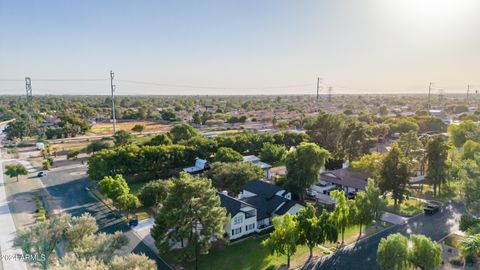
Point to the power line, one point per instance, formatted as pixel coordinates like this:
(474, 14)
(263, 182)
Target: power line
(56, 80)
(213, 87)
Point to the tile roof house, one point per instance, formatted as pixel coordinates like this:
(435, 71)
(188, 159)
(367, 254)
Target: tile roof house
(255, 207)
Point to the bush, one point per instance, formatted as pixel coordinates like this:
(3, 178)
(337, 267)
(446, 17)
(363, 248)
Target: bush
(73, 154)
(466, 222)
(456, 261)
(46, 165)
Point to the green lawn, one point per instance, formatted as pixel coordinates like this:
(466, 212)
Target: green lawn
(246, 254)
(250, 254)
(135, 188)
(408, 207)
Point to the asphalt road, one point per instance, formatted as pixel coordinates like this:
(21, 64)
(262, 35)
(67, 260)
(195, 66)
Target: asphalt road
(362, 256)
(67, 188)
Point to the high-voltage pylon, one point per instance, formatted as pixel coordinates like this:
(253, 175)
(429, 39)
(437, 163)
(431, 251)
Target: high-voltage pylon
(28, 88)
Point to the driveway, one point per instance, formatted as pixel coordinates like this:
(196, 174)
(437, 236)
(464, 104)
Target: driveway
(67, 189)
(362, 255)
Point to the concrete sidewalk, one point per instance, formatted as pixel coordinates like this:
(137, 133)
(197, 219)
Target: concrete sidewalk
(7, 231)
(394, 219)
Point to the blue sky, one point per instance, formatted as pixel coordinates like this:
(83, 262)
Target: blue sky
(374, 46)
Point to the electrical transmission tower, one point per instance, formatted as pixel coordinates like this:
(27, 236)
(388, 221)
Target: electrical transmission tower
(319, 82)
(112, 88)
(330, 89)
(441, 95)
(429, 93)
(468, 94)
(28, 88)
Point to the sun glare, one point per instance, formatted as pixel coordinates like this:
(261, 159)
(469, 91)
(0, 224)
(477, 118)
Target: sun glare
(433, 13)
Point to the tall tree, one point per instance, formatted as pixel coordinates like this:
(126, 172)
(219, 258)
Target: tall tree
(226, 154)
(410, 145)
(355, 140)
(315, 230)
(370, 163)
(392, 252)
(394, 173)
(469, 176)
(113, 187)
(470, 149)
(375, 201)
(283, 240)
(155, 192)
(42, 238)
(466, 130)
(425, 253)
(15, 170)
(127, 202)
(303, 167)
(308, 228)
(326, 131)
(122, 137)
(364, 212)
(469, 246)
(191, 211)
(341, 213)
(182, 132)
(161, 139)
(272, 152)
(232, 176)
(437, 154)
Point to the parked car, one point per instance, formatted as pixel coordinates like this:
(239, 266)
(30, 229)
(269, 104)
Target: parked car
(311, 194)
(431, 209)
(351, 195)
(41, 174)
(133, 222)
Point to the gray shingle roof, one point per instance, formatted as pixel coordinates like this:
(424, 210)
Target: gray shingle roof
(261, 188)
(346, 177)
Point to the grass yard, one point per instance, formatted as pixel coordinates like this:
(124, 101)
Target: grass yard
(106, 128)
(407, 208)
(246, 254)
(450, 191)
(142, 212)
(63, 148)
(250, 254)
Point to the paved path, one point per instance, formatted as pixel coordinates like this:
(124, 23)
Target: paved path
(7, 231)
(362, 255)
(394, 219)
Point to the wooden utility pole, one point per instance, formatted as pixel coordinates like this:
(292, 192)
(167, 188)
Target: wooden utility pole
(112, 88)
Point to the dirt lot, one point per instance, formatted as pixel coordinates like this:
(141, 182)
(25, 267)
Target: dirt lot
(106, 128)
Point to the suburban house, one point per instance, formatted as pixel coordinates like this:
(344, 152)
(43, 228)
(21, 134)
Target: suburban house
(253, 209)
(346, 179)
(255, 160)
(200, 166)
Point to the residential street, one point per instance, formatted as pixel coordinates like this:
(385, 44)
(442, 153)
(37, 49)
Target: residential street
(67, 189)
(362, 256)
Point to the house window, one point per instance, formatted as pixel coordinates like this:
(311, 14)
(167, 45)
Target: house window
(236, 231)
(250, 227)
(237, 220)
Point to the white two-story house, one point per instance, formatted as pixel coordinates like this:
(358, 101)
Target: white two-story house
(253, 209)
